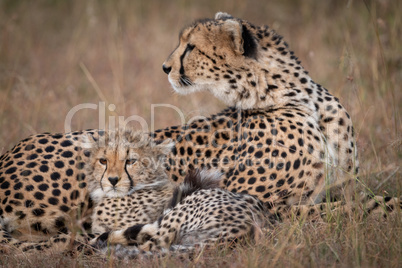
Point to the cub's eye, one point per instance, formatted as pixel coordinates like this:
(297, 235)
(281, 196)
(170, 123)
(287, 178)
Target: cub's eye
(131, 161)
(103, 161)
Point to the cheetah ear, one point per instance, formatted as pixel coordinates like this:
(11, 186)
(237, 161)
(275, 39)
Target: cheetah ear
(223, 16)
(243, 41)
(89, 142)
(234, 29)
(165, 147)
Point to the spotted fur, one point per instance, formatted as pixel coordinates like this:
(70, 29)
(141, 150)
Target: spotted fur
(285, 139)
(198, 213)
(142, 193)
(59, 198)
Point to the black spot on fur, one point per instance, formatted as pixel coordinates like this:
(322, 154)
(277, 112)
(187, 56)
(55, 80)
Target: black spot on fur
(64, 208)
(5, 185)
(29, 188)
(38, 195)
(53, 201)
(29, 203)
(37, 226)
(67, 154)
(49, 149)
(43, 141)
(38, 178)
(74, 195)
(43, 187)
(56, 192)
(59, 164)
(10, 170)
(44, 168)
(66, 186)
(38, 212)
(66, 143)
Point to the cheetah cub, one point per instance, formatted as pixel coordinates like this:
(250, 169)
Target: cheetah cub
(135, 203)
(127, 179)
(125, 184)
(156, 213)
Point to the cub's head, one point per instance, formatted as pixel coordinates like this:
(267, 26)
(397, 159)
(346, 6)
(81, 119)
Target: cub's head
(122, 161)
(240, 64)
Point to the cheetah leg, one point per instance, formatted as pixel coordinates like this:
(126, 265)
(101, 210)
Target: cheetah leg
(150, 237)
(59, 242)
(369, 205)
(311, 212)
(132, 236)
(126, 237)
(380, 206)
(167, 232)
(155, 238)
(146, 236)
(5, 237)
(6, 240)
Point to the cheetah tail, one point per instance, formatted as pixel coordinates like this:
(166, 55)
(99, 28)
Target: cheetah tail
(194, 181)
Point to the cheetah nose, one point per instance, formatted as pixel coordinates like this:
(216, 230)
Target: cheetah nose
(166, 69)
(113, 180)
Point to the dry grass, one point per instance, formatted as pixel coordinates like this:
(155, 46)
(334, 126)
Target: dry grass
(57, 54)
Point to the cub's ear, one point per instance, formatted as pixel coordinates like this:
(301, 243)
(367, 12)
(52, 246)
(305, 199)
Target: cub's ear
(164, 147)
(89, 142)
(233, 29)
(223, 16)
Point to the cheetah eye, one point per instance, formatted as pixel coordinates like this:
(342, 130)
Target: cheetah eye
(189, 48)
(130, 161)
(103, 161)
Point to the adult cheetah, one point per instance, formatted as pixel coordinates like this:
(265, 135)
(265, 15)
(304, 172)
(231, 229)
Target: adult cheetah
(287, 140)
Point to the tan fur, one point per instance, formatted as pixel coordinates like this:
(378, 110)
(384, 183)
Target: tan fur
(199, 213)
(309, 130)
(143, 193)
(126, 152)
(67, 206)
(287, 141)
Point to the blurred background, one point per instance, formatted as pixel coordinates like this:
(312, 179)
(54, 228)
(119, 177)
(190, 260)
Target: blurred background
(55, 55)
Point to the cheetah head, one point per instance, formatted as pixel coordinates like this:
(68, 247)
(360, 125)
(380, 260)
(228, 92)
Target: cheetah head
(206, 50)
(122, 161)
(242, 65)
